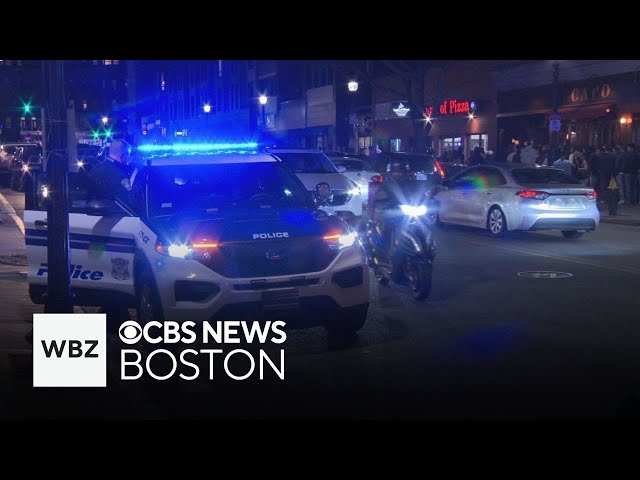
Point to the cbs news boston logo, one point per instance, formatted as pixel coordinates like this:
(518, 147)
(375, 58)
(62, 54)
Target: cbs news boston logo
(69, 350)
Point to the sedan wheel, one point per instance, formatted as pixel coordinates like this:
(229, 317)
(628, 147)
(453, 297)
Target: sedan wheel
(496, 223)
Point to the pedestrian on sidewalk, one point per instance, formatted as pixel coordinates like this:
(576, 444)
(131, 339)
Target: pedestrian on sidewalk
(613, 196)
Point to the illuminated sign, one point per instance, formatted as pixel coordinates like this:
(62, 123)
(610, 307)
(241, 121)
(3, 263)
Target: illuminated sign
(598, 92)
(401, 110)
(453, 106)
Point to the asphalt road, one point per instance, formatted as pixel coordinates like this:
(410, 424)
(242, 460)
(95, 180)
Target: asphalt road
(486, 344)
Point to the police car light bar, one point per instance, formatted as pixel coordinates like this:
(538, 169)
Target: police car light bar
(198, 147)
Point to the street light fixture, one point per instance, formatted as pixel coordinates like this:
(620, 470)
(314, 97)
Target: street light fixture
(105, 120)
(263, 101)
(353, 87)
(206, 108)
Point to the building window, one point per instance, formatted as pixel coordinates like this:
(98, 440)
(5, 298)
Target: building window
(250, 90)
(219, 68)
(251, 64)
(163, 84)
(395, 145)
(364, 142)
(481, 140)
(107, 62)
(450, 144)
(85, 105)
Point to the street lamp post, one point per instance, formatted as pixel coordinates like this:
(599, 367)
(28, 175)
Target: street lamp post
(263, 99)
(207, 110)
(353, 88)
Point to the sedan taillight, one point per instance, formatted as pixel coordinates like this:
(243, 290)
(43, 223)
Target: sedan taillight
(534, 194)
(592, 195)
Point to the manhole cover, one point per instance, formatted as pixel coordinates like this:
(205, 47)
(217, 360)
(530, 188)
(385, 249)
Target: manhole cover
(545, 274)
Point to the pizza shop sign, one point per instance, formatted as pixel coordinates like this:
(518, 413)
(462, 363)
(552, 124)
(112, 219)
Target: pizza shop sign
(451, 107)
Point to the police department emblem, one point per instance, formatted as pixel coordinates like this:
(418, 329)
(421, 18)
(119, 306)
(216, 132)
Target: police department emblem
(119, 268)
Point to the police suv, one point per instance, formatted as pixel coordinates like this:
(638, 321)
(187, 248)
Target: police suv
(208, 236)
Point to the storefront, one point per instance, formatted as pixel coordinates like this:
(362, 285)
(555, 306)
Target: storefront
(456, 124)
(462, 124)
(595, 111)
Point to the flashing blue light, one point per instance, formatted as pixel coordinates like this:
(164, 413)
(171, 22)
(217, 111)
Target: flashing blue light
(198, 147)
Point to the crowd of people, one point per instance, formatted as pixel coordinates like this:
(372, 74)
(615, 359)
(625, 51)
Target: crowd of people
(598, 167)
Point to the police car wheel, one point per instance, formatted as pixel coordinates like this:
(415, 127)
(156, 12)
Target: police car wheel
(147, 299)
(349, 320)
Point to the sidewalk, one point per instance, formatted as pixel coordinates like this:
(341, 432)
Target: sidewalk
(627, 215)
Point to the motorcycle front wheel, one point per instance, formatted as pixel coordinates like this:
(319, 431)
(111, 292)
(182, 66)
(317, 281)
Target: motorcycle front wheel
(419, 273)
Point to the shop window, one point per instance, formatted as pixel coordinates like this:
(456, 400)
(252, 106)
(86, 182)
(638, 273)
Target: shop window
(364, 142)
(450, 144)
(395, 145)
(481, 140)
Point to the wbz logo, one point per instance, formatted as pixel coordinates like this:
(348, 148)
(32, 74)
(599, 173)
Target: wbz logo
(69, 350)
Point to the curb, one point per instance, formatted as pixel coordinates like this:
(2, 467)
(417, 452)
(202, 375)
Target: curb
(633, 222)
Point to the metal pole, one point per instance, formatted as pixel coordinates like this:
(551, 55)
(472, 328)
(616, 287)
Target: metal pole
(59, 297)
(554, 135)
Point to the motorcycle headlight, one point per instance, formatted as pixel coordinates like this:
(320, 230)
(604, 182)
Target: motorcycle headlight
(413, 211)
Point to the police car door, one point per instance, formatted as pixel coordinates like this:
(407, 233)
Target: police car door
(101, 247)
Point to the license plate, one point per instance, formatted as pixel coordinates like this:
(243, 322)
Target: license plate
(281, 300)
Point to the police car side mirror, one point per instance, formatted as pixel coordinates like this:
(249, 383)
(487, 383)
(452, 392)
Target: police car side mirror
(101, 207)
(341, 169)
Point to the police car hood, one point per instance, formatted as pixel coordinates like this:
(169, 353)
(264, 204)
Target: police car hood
(256, 226)
(336, 181)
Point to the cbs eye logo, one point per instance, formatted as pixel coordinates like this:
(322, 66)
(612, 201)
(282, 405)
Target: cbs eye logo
(130, 332)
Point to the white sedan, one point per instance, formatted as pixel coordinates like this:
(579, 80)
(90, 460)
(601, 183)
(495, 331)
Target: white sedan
(356, 170)
(501, 198)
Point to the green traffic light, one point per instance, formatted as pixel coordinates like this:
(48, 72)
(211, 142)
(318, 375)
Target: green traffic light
(26, 107)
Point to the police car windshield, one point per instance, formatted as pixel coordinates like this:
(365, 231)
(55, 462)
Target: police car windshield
(307, 162)
(194, 190)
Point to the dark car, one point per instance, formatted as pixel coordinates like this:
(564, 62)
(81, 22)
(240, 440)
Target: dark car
(26, 157)
(451, 169)
(421, 166)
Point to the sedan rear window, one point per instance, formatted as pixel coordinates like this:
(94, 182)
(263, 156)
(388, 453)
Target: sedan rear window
(543, 175)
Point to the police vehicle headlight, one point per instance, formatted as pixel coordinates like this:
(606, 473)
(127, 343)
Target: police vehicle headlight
(179, 250)
(413, 211)
(341, 240)
(175, 250)
(354, 191)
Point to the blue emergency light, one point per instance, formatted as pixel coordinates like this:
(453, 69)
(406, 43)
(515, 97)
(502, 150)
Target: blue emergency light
(246, 147)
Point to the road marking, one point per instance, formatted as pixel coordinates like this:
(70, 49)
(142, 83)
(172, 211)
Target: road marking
(633, 271)
(12, 213)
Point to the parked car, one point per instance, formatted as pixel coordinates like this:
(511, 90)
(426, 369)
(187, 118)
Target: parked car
(334, 193)
(25, 158)
(501, 198)
(356, 170)
(8, 152)
(451, 169)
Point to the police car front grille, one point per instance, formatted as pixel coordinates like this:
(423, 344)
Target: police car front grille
(270, 258)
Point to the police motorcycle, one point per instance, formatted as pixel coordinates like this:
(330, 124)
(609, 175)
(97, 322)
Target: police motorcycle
(399, 240)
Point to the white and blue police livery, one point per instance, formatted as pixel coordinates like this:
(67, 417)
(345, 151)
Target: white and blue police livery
(209, 236)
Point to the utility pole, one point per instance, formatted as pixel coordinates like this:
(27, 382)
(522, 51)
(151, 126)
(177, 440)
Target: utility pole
(59, 298)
